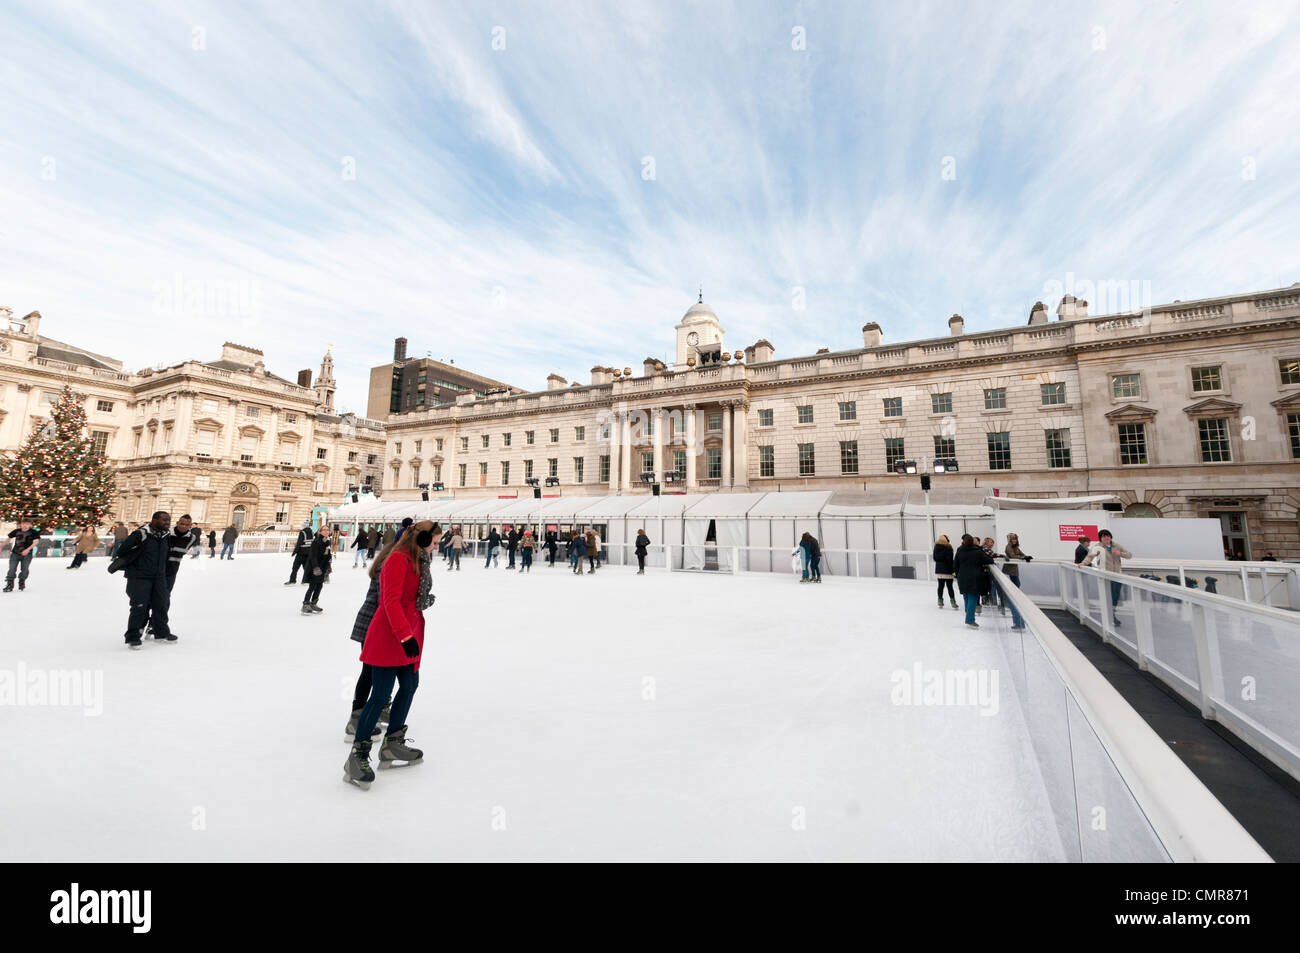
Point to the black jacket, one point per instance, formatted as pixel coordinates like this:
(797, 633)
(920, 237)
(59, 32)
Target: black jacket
(1080, 553)
(148, 550)
(969, 562)
(942, 560)
(320, 555)
(304, 540)
(212, 539)
(512, 541)
(642, 542)
(229, 535)
(23, 538)
(360, 542)
(494, 539)
(178, 544)
(814, 547)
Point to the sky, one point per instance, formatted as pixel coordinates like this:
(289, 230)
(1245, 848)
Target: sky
(528, 188)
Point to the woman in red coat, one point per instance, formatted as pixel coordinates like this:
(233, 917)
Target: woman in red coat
(394, 642)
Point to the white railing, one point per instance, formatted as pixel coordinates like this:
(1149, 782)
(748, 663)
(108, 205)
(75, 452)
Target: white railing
(1117, 791)
(1270, 584)
(1238, 663)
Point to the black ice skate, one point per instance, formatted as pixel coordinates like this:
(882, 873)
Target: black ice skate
(134, 643)
(351, 730)
(307, 609)
(9, 586)
(169, 639)
(357, 769)
(396, 753)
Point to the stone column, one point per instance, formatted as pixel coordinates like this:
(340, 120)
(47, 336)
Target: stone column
(614, 446)
(625, 452)
(657, 414)
(691, 449)
(740, 471)
(726, 444)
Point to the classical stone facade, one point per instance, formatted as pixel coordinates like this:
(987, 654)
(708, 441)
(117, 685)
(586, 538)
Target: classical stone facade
(1190, 408)
(226, 440)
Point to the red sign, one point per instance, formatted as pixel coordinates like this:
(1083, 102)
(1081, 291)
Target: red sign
(1072, 531)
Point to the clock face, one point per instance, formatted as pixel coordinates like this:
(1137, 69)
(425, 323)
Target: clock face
(692, 339)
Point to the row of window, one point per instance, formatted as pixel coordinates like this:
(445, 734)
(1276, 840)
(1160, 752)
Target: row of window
(995, 398)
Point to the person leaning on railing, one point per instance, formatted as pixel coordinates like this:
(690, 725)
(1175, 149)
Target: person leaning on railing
(1014, 554)
(1109, 555)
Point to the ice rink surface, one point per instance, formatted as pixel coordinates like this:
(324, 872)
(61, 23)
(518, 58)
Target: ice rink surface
(672, 716)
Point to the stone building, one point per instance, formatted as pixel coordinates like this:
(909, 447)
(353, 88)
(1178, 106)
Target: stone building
(1186, 409)
(226, 440)
(409, 384)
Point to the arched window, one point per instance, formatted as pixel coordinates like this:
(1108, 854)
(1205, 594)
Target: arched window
(237, 518)
(1140, 510)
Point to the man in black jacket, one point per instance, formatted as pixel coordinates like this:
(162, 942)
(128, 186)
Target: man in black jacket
(149, 551)
(300, 548)
(20, 554)
(1081, 551)
(512, 544)
(320, 556)
(182, 537)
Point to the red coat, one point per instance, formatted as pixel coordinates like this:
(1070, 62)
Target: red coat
(397, 618)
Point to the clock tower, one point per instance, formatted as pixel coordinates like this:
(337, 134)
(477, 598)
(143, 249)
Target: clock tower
(698, 336)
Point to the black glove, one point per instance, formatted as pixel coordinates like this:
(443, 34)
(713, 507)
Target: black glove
(1029, 559)
(411, 648)
(316, 571)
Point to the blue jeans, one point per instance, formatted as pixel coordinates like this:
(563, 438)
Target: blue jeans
(1016, 620)
(971, 600)
(492, 554)
(815, 567)
(527, 557)
(19, 565)
(1115, 589)
(361, 555)
(382, 678)
(227, 548)
(803, 554)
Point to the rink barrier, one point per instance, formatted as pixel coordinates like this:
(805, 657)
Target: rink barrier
(1097, 754)
(1213, 650)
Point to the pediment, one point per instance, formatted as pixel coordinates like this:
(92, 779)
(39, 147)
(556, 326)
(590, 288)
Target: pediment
(1212, 405)
(1131, 412)
(1289, 402)
(212, 422)
(252, 428)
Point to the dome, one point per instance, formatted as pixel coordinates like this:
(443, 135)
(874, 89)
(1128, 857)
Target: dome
(699, 312)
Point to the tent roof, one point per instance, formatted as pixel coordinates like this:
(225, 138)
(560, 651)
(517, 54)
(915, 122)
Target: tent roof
(798, 503)
(1053, 503)
(724, 505)
(672, 505)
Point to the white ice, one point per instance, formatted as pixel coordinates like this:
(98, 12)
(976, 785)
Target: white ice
(671, 716)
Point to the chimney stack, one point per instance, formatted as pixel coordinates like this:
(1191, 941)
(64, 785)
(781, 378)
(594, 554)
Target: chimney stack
(956, 324)
(1038, 314)
(760, 351)
(555, 382)
(871, 335)
(1068, 309)
(304, 377)
(399, 350)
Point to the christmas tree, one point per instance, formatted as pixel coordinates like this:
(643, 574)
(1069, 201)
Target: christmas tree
(57, 478)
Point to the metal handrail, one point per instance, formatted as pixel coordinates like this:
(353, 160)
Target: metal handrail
(1195, 596)
(1190, 822)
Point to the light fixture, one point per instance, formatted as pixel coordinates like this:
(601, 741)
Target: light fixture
(552, 481)
(647, 476)
(945, 465)
(904, 466)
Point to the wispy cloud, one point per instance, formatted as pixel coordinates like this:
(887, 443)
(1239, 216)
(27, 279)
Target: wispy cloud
(502, 212)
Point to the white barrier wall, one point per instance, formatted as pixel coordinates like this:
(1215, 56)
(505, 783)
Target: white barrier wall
(1169, 538)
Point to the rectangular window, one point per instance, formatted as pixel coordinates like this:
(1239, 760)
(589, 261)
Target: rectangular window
(206, 440)
(288, 418)
(941, 403)
(198, 509)
(1293, 431)
(464, 444)
(848, 410)
(370, 459)
(553, 466)
(1215, 445)
(285, 486)
(893, 406)
(650, 424)
(1132, 444)
(999, 450)
(486, 438)
(577, 469)
(528, 469)
(352, 456)
(555, 435)
(945, 447)
(370, 479)
(1207, 378)
(1289, 369)
(604, 468)
(528, 437)
(419, 398)
(579, 434)
(767, 461)
(1058, 448)
(807, 460)
(397, 448)
(209, 406)
(437, 444)
(805, 414)
(99, 442)
(505, 440)
(320, 453)
(482, 473)
(415, 476)
(713, 463)
(203, 483)
(247, 447)
(765, 418)
(463, 468)
(104, 405)
(282, 513)
(505, 473)
(604, 431)
(713, 422)
(647, 463)
(419, 445)
(848, 456)
(252, 411)
(286, 454)
(893, 453)
(679, 462)
(318, 484)
(1053, 394)
(995, 398)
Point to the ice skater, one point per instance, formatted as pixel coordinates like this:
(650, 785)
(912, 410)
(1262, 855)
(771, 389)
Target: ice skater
(642, 547)
(1110, 555)
(320, 555)
(512, 547)
(362, 546)
(87, 541)
(300, 547)
(526, 547)
(593, 550)
(970, 564)
(228, 537)
(182, 537)
(1011, 570)
(392, 648)
(943, 569)
(20, 553)
(551, 546)
(144, 556)
(493, 547)
(212, 544)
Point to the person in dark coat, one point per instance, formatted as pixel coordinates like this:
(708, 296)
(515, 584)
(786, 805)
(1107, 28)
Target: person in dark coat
(970, 563)
(228, 542)
(320, 556)
(512, 546)
(493, 547)
(372, 543)
(20, 553)
(551, 546)
(212, 543)
(300, 547)
(1081, 551)
(390, 534)
(526, 547)
(149, 552)
(444, 541)
(183, 536)
(577, 549)
(362, 546)
(642, 545)
(943, 569)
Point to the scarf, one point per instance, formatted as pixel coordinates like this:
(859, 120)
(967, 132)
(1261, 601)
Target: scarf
(424, 596)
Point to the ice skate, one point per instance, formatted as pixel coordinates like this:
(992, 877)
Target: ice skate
(9, 587)
(306, 609)
(169, 639)
(134, 643)
(384, 715)
(396, 753)
(356, 770)
(350, 731)
(314, 607)
(22, 585)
